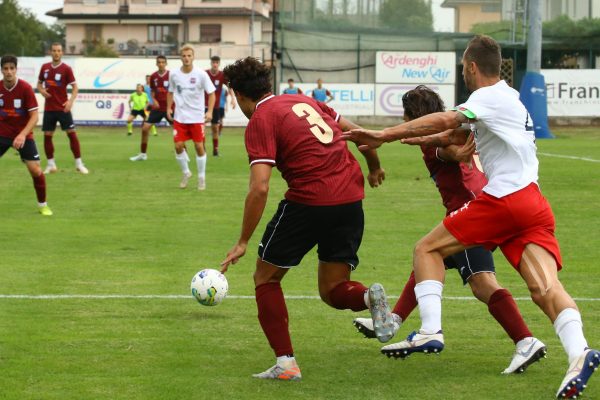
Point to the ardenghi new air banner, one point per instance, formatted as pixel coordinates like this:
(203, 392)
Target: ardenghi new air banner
(416, 67)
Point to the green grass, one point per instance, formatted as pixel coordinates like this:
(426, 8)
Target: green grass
(127, 229)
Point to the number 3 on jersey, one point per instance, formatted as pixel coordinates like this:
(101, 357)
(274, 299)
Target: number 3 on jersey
(318, 127)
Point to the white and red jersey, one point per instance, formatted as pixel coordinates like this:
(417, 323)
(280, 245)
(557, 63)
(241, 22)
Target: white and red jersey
(55, 79)
(303, 139)
(218, 80)
(159, 85)
(188, 94)
(15, 105)
(504, 137)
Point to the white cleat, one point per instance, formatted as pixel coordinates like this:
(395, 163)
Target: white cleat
(383, 322)
(184, 181)
(365, 326)
(139, 157)
(529, 350)
(50, 169)
(201, 183)
(289, 371)
(82, 169)
(416, 342)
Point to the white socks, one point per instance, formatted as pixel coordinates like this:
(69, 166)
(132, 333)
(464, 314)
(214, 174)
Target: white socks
(569, 328)
(429, 296)
(78, 162)
(282, 360)
(51, 162)
(201, 163)
(182, 160)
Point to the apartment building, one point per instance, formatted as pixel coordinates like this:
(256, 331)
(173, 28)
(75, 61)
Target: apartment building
(228, 28)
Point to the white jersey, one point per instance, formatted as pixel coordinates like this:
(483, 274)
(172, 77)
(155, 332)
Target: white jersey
(504, 137)
(188, 94)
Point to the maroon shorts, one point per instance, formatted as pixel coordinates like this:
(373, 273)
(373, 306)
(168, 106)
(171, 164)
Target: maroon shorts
(184, 132)
(510, 222)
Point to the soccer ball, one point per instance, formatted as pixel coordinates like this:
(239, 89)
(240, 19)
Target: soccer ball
(209, 287)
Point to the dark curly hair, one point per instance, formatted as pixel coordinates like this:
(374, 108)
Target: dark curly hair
(421, 101)
(249, 77)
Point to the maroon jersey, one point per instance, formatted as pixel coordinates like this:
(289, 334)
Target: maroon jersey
(457, 183)
(15, 105)
(218, 80)
(159, 84)
(55, 80)
(302, 138)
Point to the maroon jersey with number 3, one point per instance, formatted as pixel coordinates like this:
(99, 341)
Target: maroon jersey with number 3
(302, 138)
(55, 80)
(159, 84)
(15, 105)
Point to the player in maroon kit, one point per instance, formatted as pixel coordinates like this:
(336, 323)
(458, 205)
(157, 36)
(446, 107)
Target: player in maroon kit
(323, 205)
(218, 79)
(457, 175)
(18, 116)
(53, 80)
(159, 87)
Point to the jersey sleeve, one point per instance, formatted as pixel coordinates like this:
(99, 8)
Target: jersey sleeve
(478, 106)
(41, 75)
(171, 83)
(70, 78)
(207, 84)
(261, 143)
(329, 111)
(29, 100)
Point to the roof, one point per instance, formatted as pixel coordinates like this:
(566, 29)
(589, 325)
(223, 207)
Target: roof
(184, 12)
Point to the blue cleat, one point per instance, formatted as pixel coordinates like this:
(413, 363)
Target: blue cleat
(578, 374)
(416, 342)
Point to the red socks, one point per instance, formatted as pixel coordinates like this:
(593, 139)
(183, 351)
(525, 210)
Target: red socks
(273, 317)
(408, 300)
(502, 306)
(215, 144)
(48, 147)
(349, 295)
(144, 147)
(39, 183)
(74, 142)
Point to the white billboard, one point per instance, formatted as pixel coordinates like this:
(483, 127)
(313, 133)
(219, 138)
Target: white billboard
(389, 97)
(349, 99)
(415, 67)
(572, 92)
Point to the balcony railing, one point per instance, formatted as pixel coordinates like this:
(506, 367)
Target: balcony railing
(91, 7)
(163, 7)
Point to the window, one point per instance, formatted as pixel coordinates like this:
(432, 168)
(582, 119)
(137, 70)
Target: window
(210, 33)
(162, 33)
(93, 33)
(491, 8)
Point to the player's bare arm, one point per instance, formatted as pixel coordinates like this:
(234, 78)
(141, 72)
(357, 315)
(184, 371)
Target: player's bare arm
(449, 137)
(426, 125)
(376, 173)
(256, 199)
(211, 105)
(170, 106)
(458, 153)
(42, 90)
(19, 141)
(69, 103)
(232, 97)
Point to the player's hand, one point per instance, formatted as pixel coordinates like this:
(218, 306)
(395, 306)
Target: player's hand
(170, 115)
(234, 255)
(465, 152)
(364, 138)
(67, 106)
(376, 177)
(19, 142)
(208, 116)
(155, 105)
(233, 105)
(45, 94)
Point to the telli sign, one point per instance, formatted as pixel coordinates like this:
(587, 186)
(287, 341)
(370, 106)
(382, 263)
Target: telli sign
(416, 67)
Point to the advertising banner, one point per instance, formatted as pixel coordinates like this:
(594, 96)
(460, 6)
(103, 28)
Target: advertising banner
(415, 67)
(389, 97)
(349, 99)
(572, 92)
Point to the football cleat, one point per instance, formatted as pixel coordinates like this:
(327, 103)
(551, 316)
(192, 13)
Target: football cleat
(50, 169)
(416, 342)
(139, 157)
(184, 181)
(365, 326)
(289, 371)
(578, 374)
(383, 322)
(530, 351)
(201, 183)
(45, 211)
(82, 169)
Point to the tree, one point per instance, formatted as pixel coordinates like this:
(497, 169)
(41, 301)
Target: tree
(22, 34)
(99, 48)
(411, 16)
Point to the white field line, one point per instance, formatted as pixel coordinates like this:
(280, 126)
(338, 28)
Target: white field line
(189, 297)
(569, 157)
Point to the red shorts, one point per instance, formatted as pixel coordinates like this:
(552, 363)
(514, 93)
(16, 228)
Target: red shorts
(510, 222)
(184, 132)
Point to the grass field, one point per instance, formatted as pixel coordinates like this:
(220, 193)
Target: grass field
(128, 230)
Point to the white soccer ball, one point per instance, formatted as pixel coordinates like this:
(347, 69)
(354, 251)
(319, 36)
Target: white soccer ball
(209, 287)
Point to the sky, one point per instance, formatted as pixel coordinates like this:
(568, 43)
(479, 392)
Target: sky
(443, 18)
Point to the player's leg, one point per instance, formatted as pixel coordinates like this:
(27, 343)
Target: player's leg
(48, 127)
(143, 156)
(67, 124)
(31, 158)
(198, 138)
(221, 118)
(180, 135)
(130, 119)
(538, 268)
(214, 127)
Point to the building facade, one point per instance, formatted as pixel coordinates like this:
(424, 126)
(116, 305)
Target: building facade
(228, 28)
